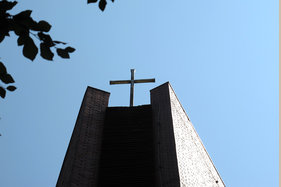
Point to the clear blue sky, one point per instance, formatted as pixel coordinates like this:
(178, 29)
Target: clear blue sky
(221, 58)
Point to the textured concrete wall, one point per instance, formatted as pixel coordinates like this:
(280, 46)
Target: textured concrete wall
(195, 167)
(80, 166)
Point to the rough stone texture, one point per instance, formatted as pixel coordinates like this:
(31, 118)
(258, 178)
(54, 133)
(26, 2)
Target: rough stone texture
(195, 167)
(127, 148)
(80, 166)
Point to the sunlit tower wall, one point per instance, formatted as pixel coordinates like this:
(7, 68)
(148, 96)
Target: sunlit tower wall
(181, 159)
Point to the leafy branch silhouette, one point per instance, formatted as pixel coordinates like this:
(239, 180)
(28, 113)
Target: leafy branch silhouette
(25, 28)
(102, 3)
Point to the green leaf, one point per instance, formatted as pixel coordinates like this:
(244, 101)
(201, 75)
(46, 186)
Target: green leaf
(92, 1)
(6, 78)
(2, 92)
(29, 49)
(3, 69)
(46, 52)
(11, 88)
(44, 26)
(70, 49)
(102, 4)
(62, 53)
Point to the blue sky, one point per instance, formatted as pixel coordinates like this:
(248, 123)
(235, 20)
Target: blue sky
(221, 58)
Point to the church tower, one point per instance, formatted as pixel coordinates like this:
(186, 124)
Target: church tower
(152, 145)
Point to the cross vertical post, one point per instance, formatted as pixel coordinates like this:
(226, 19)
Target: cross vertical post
(132, 83)
(132, 87)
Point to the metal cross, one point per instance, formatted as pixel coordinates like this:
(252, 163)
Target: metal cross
(132, 82)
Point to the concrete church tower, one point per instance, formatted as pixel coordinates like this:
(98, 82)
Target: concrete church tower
(152, 145)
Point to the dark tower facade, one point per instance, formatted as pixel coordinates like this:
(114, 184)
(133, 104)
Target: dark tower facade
(144, 146)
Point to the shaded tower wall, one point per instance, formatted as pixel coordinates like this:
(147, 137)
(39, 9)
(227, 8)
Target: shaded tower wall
(127, 155)
(181, 159)
(80, 165)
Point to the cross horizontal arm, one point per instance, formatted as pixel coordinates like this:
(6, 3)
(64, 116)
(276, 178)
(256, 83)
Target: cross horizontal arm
(120, 82)
(129, 81)
(144, 80)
